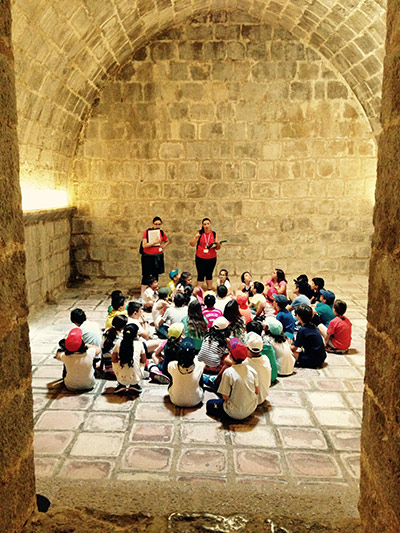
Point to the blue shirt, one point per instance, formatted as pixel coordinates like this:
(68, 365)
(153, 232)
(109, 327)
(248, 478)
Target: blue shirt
(287, 321)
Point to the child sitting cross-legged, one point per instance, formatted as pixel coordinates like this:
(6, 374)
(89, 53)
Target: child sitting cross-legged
(238, 387)
(210, 312)
(284, 315)
(214, 348)
(244, 308)
(128, 358)
(260, 363)
(257, 327)
(186, 376)
(157, 366)
(150, 295)
(118, 308)
(281, 345)
(338, 336)
(324, 307)
(308, 349)
(258, 302)
(110, 337)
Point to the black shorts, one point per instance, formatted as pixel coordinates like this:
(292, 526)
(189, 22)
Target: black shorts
(205, 268)
(152, 265)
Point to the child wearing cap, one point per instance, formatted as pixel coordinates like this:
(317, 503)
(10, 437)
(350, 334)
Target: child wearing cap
(173, 276)
(282, 347)
(214, 348)
(161, 305)
(128, 357)
(244, 308)
(338, 336)
(238, 387)
(257, 327)
(260, 363)
(308, 348)
(210, 312)
(284, 315)
(78, 360)
(324, 307)
(165, 353)
(186, 376)
(300, 295)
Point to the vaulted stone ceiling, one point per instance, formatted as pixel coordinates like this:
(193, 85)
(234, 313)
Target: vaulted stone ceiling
(65, 50)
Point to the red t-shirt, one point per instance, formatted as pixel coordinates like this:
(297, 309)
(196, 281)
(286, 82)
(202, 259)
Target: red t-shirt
(202, 251)
(154, 250)
(340, 331)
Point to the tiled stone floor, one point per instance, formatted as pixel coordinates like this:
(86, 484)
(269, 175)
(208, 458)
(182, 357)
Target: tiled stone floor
(308, 434)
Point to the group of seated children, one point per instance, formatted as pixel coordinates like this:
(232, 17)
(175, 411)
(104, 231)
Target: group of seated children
(236, 345)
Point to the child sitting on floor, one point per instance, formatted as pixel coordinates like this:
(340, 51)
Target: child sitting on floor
(257, 301)
(173, 276)
(317, 284)
(186, 376)
(257, 327)
(118, 308)
(165, 353)
(150, 295)
(127, 357)
(338, 336)
(222, 298)
(284, 315)
(324, 307)
(224, 280)
(214, 349)
(260, 363)
(160, 306)
(210, 312)
(110, 337)
(238, 387)
(308, 348)
(282, 347)
(244, 308)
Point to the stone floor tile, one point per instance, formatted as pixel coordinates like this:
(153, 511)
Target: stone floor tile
(143, 476)
(348, 440)
(312, 465)
(40, 401)
(331, 385)
(49, 372)
(155, 393)
(105, 422)
(337, 418)
(158, 459)
(60, 420)
(45, 466)
(345, 372)
(325, 399)
(50, 384)
(352, 463)
(38, 358)
(151, 433)
(260, 436)
(257, 462)
(155, 411)
(116, 402)
(72, 402)
(355, 384)
(77, 469)
(355, 399)
(284, 398)
(52, 442)
(290, 416)
(337, 360)
(195, 414)
(202, 460)
(203, 479)
(192, 433)
(294, 383)
(97, 445)
(303, 438)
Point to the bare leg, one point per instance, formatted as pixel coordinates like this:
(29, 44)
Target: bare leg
(209, 283)
(152, 344)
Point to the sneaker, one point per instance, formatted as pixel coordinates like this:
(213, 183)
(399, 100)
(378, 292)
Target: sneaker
(209, 381)
(136, 388)
(119, 388)
(158, 377)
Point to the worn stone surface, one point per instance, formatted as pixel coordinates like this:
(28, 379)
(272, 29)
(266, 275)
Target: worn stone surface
(17, 484)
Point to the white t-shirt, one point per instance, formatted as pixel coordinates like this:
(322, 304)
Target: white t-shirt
(262, 366)
(138, 324)
(148, 296)
(91, 333)
(284, 357)
(220, 303)
(158, 310)
(185, 390)
(129, 375)
(239, 382)
(175, 314)
(80, 371)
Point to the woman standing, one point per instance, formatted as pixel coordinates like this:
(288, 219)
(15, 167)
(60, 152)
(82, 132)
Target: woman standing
(154, 241)
(207, 244)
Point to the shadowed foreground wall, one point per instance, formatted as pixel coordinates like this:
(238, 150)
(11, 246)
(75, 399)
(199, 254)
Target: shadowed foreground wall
(17, 484)
(380, 454)
(226, 117)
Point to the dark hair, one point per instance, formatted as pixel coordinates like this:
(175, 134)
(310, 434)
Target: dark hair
(280, 275)
(277, 338)
(242, 276)
(187, 292)
(254, 325)
(184, 277)
(237, 323)
(179, 299)
(78, 316)
(319, 282)
(226, 272)
(133, 307)
(118, 302)
(209, 301)
(196, 324)
(126, 347)
(259, 287)
(150, 280)
(340, 307)
(218, 335)
(186, 357)
(302, 278)
(110, 334)
(303, 287)
(304, 312)
(114, 295)
(222, 291)
(204, 219)
(157, 218)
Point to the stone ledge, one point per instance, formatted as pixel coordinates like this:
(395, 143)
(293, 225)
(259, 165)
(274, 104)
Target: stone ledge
(48, 215)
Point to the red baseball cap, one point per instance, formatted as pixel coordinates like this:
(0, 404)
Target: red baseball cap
(238, 349)
(74, 340)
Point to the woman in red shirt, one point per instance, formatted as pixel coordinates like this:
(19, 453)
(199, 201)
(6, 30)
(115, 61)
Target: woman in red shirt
(152, 251)
(207, 244)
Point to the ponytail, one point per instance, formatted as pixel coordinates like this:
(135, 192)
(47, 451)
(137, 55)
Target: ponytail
(126, 346)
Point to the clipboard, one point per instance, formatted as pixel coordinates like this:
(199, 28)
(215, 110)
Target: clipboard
(153, 235)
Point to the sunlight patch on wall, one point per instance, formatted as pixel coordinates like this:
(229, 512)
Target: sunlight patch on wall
(36, 199)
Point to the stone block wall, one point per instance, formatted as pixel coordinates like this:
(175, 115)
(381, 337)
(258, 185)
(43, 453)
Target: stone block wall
(380, 442)
(227, 117)
(17, 482)
(47, 248)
